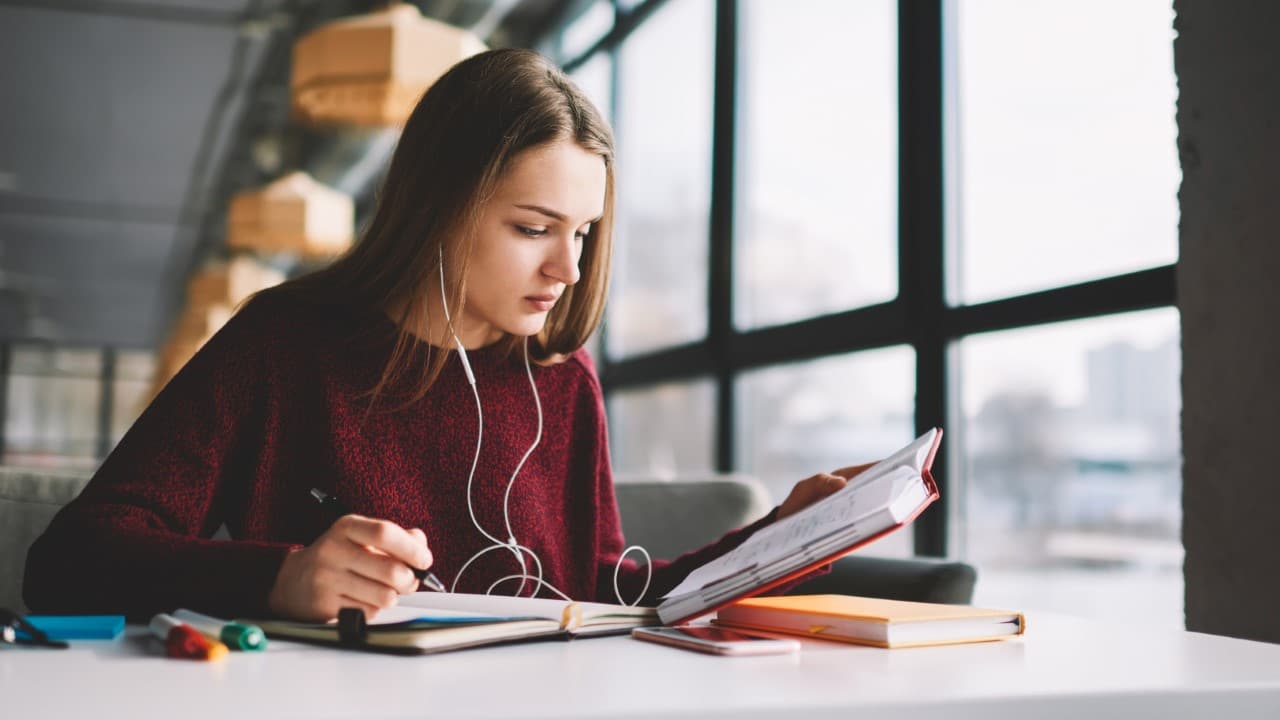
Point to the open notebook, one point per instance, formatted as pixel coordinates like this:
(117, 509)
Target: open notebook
(436, 622)
(880, 499)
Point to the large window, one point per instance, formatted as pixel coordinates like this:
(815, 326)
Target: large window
(663, 123)
(847, 222)
(798, 419)
(585, 30)
(664, 431)
(1064, 170)
(816, 200)
(1066, 160)
(1071, 475)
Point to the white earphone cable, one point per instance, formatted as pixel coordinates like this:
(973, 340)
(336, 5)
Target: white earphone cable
(511, 544)
(471, 379)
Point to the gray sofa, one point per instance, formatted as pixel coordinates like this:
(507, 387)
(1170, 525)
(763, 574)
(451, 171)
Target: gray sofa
(29, 498)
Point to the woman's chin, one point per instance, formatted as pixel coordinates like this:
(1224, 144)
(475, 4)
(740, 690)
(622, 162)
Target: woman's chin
(527, 327)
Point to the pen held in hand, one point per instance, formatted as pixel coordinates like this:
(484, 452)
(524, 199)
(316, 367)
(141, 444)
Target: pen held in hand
(337, 510)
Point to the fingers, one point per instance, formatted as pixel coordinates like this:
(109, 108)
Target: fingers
(848, 472)
(378, 567)
(808, 491)
(388, 538)
(359, 562)
(365, 592)
(825, 484)
(820, 485)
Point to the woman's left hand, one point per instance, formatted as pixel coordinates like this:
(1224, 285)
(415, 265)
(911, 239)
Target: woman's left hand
(810, 490)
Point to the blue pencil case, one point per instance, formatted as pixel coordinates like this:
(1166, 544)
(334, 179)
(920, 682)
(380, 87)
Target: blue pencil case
(78, 627)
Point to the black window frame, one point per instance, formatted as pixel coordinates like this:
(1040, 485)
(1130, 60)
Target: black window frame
(919, 316)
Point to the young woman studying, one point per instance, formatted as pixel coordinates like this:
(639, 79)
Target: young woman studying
(433, 379)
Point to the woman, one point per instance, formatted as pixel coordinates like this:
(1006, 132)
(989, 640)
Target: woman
(488, 250)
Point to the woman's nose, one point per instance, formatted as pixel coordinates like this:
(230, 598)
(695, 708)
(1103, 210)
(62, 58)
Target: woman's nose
(563, 265)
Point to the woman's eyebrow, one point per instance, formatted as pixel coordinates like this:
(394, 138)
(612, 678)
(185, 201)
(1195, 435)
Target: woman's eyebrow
(553, 214)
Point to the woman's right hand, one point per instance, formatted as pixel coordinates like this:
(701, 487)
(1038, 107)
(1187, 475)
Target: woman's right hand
(359, 562)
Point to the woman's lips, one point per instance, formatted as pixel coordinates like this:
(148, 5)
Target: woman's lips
(542, 303)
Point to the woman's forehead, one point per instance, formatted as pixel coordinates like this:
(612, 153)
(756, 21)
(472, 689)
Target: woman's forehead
(561, 177)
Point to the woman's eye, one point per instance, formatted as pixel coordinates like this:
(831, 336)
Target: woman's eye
(531, 232)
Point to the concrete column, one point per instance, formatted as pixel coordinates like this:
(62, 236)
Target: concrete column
(1228, 64)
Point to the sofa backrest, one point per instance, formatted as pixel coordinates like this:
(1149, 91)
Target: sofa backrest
(670, 517)
(29, 498)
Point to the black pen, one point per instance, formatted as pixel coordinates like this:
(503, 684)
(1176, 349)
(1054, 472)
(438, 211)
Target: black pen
(337, 510)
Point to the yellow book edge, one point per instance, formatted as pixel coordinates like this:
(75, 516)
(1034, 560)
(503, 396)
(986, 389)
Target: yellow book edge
(820, 632)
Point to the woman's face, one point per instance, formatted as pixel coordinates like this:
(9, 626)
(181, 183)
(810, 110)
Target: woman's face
(530, 239)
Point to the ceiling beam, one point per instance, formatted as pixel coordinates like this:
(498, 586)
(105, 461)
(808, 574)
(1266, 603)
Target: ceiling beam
(147, 11)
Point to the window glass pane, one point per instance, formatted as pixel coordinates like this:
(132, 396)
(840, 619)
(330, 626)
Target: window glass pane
(816, 221)
(665, 431)
(1069, 467)
(595, 78)
(52, 421)
(594, 23)
(131, 390)
(1063, 157)
(800, 419)
(49, 360)
(135, 365)
(659, 295)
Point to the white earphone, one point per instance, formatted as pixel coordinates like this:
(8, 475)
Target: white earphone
(518, 550)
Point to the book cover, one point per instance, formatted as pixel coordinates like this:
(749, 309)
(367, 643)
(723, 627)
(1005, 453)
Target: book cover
(873, 621)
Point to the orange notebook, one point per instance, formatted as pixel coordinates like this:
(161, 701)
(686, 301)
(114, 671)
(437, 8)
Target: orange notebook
(873, 621)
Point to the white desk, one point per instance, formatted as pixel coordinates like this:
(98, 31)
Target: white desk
(1062, 668)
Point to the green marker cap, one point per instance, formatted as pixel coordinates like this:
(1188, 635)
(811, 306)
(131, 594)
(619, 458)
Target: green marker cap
(243, 637)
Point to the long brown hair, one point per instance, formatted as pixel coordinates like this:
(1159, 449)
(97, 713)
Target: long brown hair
(461, 137)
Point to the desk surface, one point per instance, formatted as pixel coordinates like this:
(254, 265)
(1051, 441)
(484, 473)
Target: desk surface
(1063, 667)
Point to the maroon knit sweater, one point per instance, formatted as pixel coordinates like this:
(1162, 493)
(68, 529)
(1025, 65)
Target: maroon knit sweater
(271, 407)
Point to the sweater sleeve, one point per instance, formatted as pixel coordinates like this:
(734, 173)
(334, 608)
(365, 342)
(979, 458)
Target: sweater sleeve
(138, 539)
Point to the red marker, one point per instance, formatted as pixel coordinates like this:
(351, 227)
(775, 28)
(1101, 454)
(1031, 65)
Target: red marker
(183, 641)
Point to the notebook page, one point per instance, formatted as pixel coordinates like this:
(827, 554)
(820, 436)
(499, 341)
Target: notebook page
(507, 606)
(403, 613)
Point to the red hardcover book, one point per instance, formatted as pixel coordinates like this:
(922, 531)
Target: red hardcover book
(881, 499)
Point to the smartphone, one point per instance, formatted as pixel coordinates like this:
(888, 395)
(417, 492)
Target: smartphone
(715, 640)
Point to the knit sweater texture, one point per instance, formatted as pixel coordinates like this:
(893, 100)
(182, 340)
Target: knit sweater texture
(276, 404)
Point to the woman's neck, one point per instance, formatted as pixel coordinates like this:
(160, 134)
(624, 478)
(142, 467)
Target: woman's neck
(434, 328)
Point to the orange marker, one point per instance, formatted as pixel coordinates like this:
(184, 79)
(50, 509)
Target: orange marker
(183, 641)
